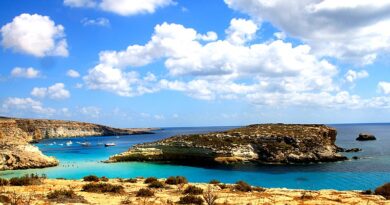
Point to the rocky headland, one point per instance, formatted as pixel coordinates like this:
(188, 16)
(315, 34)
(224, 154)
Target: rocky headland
(16, 152)
(260, 143)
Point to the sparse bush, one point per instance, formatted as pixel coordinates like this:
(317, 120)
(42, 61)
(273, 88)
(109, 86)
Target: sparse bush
(103, 188)
(176, 180)
(367, 192)
(193, 190)
(191, 199)
(214, 181)
(150, 180)
(131, 180)
(104, 179)
(223, 186)
(5, 199)
(65, 196)
(27, 180)
(209, 196)
(242, 186)
(4, 182)
(383, 190)
(145, 193)
(156, 184)
(258, 189)
(91, 178)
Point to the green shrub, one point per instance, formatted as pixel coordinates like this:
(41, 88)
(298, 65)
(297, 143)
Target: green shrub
(191, 199)
(176, 180)
(193, 190)
(242, 186)
(65, 196)
(103, 188)
(27, 180)
(4, 182)
(145, 193)
(91, 178)
(258, 189)
(383, 190)
(156, 184)
(104, 179)
(5, 199)
(131, 180)
(223, 186)
(150, 180)
(214, 181)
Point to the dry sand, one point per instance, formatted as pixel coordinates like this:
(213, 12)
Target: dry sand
(171, 194)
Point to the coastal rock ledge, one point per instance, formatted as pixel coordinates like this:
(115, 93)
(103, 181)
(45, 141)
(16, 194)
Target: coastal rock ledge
(259, 143)
(16, 134)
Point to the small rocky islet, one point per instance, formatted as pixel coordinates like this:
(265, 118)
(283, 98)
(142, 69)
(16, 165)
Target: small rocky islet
(259, 143)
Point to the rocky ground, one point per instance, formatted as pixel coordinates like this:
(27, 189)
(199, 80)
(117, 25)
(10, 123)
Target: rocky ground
(262, 143)
(171, 194)
(16, 134)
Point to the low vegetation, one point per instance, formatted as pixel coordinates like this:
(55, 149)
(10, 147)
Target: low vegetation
(156, 184)
(104, 179)
(131, 180)
(4, 182)
(209, 196)
(214, 181)
(242, 186)
(383, 190)
(103, 188)
(174, 180)
(27, 180)
(190, 199)
(193, 190)
(150, 180)
(145, 193)
(65, 196)
(91, 178)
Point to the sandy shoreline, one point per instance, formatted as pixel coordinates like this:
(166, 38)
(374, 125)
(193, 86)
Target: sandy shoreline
(170, 194)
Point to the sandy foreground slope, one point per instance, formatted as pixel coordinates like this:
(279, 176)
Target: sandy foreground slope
(171, 194)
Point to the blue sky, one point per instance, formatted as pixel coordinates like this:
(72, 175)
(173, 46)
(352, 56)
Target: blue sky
(166, 63)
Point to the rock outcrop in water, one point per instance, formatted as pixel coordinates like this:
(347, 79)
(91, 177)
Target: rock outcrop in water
(365, 137)
(16, 134)
(261, 143)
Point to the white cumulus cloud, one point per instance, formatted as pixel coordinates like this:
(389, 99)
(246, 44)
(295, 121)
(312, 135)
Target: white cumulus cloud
(26, 105)
(72, 73)
(122, 7)
(384, 87)
(25, 72)
(352, 75)
(56, 91)
(352, 30)
(35, 35)
(96, 22)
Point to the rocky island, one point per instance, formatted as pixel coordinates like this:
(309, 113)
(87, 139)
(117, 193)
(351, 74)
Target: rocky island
(259, 143)
(16, 152)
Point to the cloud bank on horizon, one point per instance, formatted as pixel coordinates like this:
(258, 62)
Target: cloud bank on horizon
(295, 61)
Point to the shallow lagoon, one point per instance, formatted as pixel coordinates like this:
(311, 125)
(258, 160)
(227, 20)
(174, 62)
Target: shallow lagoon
(369, 172)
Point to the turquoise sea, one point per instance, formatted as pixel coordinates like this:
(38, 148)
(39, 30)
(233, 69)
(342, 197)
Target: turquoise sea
(372, 170)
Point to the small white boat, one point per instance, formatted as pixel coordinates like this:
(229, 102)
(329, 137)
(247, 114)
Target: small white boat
(85, 144)
(68, 143)
(109, 144)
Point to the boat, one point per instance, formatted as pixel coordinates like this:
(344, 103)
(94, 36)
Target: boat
(85, 144)
(109, 144)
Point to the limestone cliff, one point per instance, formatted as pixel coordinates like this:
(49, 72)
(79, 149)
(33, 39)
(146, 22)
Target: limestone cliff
(15, 135)
(262, 143)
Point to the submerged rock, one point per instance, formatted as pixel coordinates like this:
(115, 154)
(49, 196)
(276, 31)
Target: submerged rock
(365, 137)
(260, 143)
(16, 134)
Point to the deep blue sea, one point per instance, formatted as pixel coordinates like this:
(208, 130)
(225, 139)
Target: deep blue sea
(372, 170)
